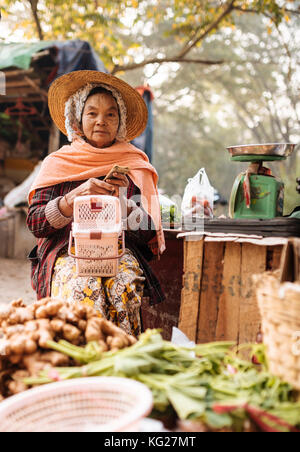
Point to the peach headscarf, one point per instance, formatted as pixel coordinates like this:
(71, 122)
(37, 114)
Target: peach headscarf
(81, 161)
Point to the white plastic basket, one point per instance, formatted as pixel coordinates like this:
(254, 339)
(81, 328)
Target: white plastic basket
(96, 404)
(96, 229)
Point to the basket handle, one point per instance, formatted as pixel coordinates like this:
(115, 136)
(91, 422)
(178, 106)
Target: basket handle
(95, 258)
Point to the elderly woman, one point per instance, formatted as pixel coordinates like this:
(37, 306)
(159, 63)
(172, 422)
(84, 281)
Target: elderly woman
(99, 113)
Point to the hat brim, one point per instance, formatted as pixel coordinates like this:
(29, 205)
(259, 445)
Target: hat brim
(67, 85)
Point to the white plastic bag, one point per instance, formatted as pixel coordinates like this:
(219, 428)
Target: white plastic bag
(198, 198)
(20, 193)
(179, 338)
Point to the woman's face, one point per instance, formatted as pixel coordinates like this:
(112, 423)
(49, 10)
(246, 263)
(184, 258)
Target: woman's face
(100, 120)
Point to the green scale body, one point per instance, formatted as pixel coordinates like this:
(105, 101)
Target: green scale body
(267, 196)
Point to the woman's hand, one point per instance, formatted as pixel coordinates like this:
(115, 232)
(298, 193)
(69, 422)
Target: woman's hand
(119, 180)
(90, 187)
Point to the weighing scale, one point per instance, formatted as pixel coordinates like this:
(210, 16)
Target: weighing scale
(256, 193)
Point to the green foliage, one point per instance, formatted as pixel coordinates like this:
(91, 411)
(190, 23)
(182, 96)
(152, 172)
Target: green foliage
(99, 22)
(207, 382)
(105, 23)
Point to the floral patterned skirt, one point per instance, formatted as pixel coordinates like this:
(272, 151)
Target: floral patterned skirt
(117, 298)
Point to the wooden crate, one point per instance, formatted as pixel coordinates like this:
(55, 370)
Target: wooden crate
(218, 297)
(7, 235)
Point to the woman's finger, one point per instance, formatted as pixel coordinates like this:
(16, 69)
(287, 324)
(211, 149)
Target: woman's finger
(104, 191)
(118, 175)
(119, 180)
(118, 183)
(103, 185)
(96, 190)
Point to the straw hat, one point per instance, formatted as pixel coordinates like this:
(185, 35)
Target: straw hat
(67, 85)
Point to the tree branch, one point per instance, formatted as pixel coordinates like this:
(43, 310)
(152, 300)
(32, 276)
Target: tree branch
(213, 26)
(34, 10)
(288, 76)
(254, 11)
(130, 67)
(180, 58)
(191, 39)
(244, 115)
(293, 11)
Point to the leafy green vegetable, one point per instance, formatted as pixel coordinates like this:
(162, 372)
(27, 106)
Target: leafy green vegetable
(209, 382)
(217, 421)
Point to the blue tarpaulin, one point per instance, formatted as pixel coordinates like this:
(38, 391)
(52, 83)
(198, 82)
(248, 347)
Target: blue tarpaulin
(145, 140)
(77, 55)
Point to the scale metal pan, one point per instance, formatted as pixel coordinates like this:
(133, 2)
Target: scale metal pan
(271, 149)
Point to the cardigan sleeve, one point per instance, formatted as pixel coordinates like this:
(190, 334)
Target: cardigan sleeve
(54, 215)
(44, 217)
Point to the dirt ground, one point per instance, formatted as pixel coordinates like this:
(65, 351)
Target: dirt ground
(15, 281)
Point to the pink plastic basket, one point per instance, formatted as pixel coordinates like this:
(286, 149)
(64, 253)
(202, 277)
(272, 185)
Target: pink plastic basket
(95, 404)
(96, 229)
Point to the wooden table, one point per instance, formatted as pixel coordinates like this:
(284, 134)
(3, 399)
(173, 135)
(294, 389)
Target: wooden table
(209, 288)
(218, 297)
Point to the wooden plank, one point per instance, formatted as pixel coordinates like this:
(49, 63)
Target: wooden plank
(19, 73)
(274, 253)
(13, 99)
(20, 92)
(229, 305)
(211, 290)
(277, 252)
(36, 87)
(39, 54)
(22, 83)
(189, 309)
(254, 258)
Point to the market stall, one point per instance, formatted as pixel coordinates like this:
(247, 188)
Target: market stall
(27, 134)
(27, 131)
(217, 292)
(214, 259)
(208, 285)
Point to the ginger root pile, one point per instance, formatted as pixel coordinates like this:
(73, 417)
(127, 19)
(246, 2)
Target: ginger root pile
(26, 330)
